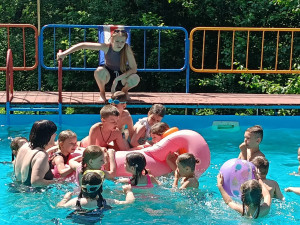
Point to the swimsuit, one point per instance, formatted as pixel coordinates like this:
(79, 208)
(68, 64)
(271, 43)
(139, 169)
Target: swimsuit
(148, 185)
(147, 137)
(112, 64)
(83, 216)
(48, 175)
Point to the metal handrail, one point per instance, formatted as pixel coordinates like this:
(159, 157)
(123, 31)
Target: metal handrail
(9, 76)
(185, 65)
(23, 27)
(259, 69)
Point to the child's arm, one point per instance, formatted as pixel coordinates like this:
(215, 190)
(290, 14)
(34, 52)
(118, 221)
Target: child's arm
(121, 143)
(93, 134)
(243, 153)
(138, 133)
(177, 176)
(190, 183)
(278, 194)
(130, 126)
(171, 159)
(67, 201)
(112, 165)
(52, 150)
(129, 196)
(265, 207)
(75, 162)
(123, 180)
(62, 169)
(296, 190)
(82, 45)
(154, 181)
(227, 199)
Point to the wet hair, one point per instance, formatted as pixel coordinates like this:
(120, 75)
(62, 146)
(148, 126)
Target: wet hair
(41, 133)
(187, 159)
(91, 152)
(257, 130)
(91, 178)
(16, 144)
(138, 161)
(66, 134)
(262, 164)
(109, 110)
(159, 128)
(158, 109)
(123, 55)
(251, 195)
(119, 95)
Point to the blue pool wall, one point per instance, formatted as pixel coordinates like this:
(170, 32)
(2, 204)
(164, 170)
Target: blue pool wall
(180, 121)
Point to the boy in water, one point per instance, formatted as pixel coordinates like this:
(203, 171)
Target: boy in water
(105, 132)
(185, 169)
(119, 100)
(142, 127)
(262, 166)
(250, 147)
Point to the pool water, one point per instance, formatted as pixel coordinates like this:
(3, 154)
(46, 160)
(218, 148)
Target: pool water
(161, 205)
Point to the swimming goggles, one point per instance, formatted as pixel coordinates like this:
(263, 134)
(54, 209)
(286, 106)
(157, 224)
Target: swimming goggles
(90, 188)
(118, 31)
(116, 101)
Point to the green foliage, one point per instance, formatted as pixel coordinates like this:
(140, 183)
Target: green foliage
(184, 13)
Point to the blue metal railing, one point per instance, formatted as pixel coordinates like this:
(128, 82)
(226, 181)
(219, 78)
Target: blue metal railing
(52, 65)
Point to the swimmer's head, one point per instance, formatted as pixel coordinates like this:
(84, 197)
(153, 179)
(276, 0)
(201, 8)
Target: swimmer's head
(91, 184)
(41, 133)
(135, 164)
(251, 194)
(70, 137)
(93, 157)
(16, 144)
(262, 164)
(187, 160)
(157, 131)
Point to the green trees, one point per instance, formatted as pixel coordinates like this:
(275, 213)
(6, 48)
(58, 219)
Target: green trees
(184, 13)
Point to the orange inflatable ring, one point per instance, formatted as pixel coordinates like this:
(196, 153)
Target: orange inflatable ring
(170, 131)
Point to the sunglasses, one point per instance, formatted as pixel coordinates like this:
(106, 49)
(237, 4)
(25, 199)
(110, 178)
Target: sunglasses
(118, 31)
(116, 101)
(90, 188)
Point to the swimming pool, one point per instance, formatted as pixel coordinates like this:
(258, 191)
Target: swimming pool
(161, 205)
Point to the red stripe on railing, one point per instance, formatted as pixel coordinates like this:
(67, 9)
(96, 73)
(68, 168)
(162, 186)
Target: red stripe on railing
(9, 76)
(60, 79)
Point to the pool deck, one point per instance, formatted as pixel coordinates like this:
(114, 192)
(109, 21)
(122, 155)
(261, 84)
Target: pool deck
(146, 99)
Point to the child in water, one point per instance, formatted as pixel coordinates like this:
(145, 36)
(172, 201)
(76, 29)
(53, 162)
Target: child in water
(67, 144)
(90, 197)
(142, 128)
(185, 169)
(262, 166)
(135, 164)
(15, 145)
(250, 147)
(253, 192)
(93, 158)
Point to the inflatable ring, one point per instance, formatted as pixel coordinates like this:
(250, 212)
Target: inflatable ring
(170, 131)
(156, 155)
(235, 172)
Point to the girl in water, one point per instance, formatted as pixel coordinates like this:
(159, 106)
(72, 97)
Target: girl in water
(135, 164)
(253, 192)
